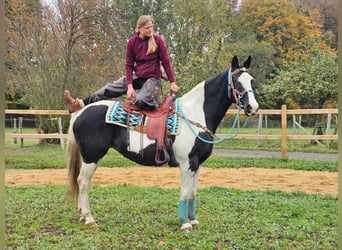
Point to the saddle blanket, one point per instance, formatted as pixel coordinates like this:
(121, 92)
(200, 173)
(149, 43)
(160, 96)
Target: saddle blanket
(117, 115)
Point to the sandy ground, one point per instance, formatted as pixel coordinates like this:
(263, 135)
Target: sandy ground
(311, 182)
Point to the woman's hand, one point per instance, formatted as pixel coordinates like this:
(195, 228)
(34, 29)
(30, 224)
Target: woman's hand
(174, 88)
(130, 91)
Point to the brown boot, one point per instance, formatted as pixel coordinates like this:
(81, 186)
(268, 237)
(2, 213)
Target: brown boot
(74, 104)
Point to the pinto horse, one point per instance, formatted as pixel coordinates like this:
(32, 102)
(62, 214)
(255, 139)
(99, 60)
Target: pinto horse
(90, 137)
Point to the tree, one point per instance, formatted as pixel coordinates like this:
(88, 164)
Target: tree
(329, 12)
(197, 38)
(92, 40)
(283, 25)
(243, 42)
(330, 21)
(20, 17)
(311, 82)
(78, 46)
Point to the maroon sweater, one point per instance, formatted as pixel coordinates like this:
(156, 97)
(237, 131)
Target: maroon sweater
(147, 66)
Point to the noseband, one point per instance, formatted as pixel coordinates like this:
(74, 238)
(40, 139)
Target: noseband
(238, 95)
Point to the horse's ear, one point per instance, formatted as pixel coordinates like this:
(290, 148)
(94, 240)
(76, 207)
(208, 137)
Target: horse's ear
(247, 63)
(235, 63)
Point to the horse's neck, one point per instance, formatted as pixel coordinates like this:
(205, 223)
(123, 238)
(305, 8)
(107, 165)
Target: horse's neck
(215, 107)
(206, 105)
(192, 103)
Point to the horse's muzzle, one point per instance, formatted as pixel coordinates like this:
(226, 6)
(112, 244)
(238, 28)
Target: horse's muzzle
(250, 111)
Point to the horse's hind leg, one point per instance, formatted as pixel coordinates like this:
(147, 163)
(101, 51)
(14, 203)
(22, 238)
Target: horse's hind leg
(84, 178)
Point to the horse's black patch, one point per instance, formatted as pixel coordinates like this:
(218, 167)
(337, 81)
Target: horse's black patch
(93, 135)
(200, 152)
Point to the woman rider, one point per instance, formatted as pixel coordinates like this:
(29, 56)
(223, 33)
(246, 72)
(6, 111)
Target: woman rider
(145, 53)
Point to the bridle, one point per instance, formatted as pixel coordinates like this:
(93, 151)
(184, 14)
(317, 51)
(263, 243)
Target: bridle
(231, 90)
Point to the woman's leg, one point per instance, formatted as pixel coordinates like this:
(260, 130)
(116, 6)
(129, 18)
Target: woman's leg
(149, 94)
(109, 91)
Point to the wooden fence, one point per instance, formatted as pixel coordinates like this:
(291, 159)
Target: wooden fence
(283, 112)
(19, 135)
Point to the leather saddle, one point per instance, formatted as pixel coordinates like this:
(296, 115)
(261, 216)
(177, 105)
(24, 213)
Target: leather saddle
(156, 125)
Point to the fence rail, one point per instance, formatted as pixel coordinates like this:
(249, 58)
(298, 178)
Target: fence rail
(283, 112)
(35, 112)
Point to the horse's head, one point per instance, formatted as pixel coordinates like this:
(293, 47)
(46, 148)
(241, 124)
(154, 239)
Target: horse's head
(240, 85)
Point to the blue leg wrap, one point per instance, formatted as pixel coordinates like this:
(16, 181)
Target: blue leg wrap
(192, 209)
(183, 211)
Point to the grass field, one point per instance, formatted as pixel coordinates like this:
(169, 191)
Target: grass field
(265, 145)
(146, 218)
(133, 217)
(35, 156)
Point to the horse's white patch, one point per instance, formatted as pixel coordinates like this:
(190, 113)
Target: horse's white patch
(138, 141)
(246, 81)
(193, 104)
(193, 108)
(253, 103)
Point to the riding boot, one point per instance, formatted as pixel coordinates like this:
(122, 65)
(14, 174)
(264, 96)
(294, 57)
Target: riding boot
(73, 104)
(173, 161)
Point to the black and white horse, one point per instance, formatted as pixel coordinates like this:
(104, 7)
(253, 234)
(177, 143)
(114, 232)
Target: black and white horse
(90, 137)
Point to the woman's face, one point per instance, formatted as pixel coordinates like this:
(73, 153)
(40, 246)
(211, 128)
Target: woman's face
(146, 30)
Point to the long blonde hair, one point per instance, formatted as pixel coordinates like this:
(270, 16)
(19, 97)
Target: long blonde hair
(152, 45)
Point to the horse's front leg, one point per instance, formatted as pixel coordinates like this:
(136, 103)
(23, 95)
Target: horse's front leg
(187, 204)
(192, 201)
(84, 178)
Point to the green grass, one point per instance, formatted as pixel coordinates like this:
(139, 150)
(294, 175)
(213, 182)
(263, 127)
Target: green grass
(36, 156)
(275, 145)
(272, 163)
(140, 218)
(252, 144)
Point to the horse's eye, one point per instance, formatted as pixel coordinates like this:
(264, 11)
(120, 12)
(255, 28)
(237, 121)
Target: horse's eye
(239, 85)
(253, 82)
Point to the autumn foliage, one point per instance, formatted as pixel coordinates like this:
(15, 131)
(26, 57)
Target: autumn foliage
(80, 45)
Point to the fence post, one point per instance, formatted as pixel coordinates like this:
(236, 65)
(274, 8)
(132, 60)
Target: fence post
(259, 128)
(60, 131)
(294, 126)
(283, 131)
(15, 129)
(266, 123)
(21, 131)
(327, 131)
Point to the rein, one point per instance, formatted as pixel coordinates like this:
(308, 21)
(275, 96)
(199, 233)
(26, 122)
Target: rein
(237, 95)
(212, 135)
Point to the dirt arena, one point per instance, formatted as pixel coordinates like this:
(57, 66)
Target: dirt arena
(311, 182)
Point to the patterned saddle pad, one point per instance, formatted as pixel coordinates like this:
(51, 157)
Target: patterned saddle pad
(117, 115)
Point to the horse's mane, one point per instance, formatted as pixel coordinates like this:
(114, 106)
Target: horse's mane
(217, 77)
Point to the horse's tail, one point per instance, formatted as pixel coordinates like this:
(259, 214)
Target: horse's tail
(73, 163)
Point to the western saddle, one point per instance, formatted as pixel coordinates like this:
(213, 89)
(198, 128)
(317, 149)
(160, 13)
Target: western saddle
(156, 127)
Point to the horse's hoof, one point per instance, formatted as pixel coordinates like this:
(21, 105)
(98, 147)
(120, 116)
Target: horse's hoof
(194, 223)
(186, 227)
